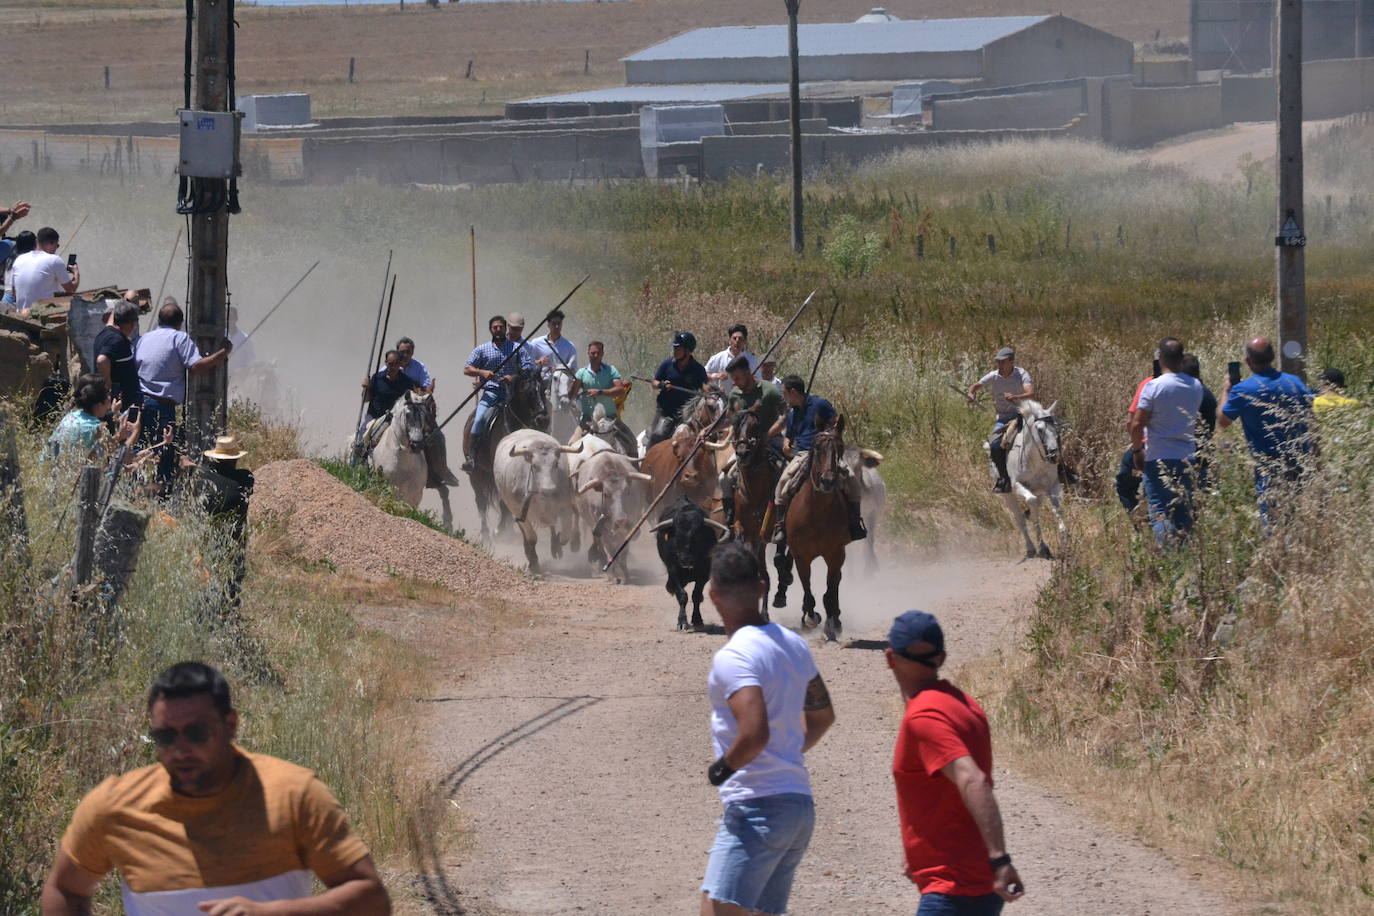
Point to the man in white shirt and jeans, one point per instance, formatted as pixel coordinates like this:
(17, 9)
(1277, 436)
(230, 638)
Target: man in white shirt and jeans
(1168, 409)
(768, 707)
(42, 273)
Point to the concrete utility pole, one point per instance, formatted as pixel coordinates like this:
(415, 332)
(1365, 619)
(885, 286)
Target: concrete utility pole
(793, 8)
(1291, 284)
(207, 394)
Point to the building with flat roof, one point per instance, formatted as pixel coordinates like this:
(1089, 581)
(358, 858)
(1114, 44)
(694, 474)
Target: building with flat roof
(998, 51)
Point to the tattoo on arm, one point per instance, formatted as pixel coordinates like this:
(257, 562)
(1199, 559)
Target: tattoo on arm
(817, 697)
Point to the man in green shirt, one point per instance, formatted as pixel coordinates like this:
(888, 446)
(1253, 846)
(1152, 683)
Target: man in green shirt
(600, 383)
(765, 400)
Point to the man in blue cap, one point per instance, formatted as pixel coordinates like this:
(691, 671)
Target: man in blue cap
(951, 825)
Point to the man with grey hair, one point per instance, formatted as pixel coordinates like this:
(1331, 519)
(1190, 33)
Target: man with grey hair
(1010, 384)
(114, 354)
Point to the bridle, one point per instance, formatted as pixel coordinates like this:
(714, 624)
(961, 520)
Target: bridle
(825, 452)
(1033, 430)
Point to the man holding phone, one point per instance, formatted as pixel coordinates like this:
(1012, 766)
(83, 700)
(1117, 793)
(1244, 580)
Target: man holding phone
(41, 273)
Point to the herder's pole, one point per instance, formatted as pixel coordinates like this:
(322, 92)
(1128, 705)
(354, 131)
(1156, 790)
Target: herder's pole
(472, 251)
(1290, 283)
(208, 393)
(794, 108)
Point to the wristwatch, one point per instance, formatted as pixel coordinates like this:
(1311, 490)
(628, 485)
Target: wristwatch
(998, 862)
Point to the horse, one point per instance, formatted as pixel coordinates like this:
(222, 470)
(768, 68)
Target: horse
(1033, 467)
(610, 431)
(523, 408)
(757, 478)
(817, 526)
(565, 413)
(400, 454)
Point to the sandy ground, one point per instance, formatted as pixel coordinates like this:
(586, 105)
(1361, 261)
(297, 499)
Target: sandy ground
(1215, 154)
(569, 728)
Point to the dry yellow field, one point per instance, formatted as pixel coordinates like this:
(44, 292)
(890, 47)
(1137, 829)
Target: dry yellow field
(413, 62)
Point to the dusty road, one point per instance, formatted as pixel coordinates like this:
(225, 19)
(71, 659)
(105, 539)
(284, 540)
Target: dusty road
(572, 734)
(1216, 154)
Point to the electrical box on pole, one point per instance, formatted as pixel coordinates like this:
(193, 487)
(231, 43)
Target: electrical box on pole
(1291, 242)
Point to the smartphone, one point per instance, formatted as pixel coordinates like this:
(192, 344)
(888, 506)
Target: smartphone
(1157, 369)
(132, 414)
(71, 261)
(1233, 373)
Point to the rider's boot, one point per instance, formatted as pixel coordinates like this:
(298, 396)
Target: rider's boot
(857, 530)
(470, 459)
(780, 526)
(999, 461)
(727, 508)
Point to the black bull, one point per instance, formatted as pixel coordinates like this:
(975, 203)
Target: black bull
(685, 536)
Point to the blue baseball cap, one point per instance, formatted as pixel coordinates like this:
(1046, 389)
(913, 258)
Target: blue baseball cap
(913, 627)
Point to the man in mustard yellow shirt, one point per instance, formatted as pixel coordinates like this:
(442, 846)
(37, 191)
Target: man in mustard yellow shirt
(211, 828)
(1331, 393)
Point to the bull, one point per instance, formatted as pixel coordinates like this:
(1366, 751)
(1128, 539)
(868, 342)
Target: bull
(863, 467)
(611, 495)
(532, 482)
(685, 535)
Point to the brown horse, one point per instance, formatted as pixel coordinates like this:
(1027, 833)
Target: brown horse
(757, 479)
(818, 526)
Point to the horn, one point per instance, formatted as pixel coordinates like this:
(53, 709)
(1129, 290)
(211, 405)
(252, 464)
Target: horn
(666, 523)
(589, 485)
(518, 452)
(871, 455)
(715, 446)
(636, 475)
(715, 524)
(1052, 407)
(572, 449)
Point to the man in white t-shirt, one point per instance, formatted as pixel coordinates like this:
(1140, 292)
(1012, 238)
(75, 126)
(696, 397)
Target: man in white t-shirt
(553, 351)
(716, 369)
(42, 273)
(769, 706)
(1168, 408)
(1009, 384)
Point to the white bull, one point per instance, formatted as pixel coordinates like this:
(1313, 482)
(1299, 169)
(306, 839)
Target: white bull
(532, 481)
(863, 465)
(611, 496)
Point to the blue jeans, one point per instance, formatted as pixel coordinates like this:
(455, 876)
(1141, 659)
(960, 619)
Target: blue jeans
(156, 416)
(1127, 483)
(995, 450)
(488, 402)
(757, 850)
(951, 905)
(1169, 491)
(1273, 477)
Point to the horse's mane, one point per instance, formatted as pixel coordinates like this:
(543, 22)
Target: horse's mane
(697, 402)
(1030, 407)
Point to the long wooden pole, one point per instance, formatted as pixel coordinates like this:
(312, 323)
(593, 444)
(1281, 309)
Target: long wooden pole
(825, 338)
(705, 434)
(284, 297)
(162, 287)
(472, 252)
(75, 232)
(1290, 273)
(376, 329)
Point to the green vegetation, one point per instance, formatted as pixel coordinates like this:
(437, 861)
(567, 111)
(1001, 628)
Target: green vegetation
(370, 482)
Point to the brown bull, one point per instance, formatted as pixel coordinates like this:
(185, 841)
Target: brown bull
(700, 477)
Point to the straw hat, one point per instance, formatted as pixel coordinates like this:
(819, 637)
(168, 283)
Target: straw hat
(226, 449)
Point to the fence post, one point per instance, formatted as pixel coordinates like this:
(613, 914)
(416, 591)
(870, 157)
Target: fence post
(920, 246)
(107, 76)
(117, 545)
(992, 244)
(14, 523)
(587, 61)
(468, 75)
(1120, 235)
(953, 247)
(1097, 243)
(1068, 233)
(352, 62)
(87, 518)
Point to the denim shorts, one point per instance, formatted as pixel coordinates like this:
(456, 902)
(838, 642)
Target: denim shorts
(757, 850)
(951, 905)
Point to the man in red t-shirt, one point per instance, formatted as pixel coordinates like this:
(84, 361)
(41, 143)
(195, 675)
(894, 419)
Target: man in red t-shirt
(1127, 477)
(951, 826)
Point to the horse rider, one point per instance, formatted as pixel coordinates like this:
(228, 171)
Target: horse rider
(768, 367)
(1009, 384)
(436, 446)
(765, 400)
(381, 392)
(483, 366)
(600, 383)
(678, 378)
(553, 351)
(718, 366)
(807, 415)
(515, 328)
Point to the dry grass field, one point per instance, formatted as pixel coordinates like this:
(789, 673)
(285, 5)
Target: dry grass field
(413, 62)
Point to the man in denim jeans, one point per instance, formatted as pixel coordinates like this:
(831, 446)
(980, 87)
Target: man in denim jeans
(1168, 409)
(768, 707)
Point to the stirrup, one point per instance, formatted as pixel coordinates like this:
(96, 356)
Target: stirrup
(1003, 485)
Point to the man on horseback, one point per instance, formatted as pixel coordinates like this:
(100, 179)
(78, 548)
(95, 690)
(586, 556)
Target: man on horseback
(766, 401)
(807, 416)
(677, 379)
(553, 351)
(1009, 384)
(381, 393)
(718, 366)
(602, 384)
(492, 371)
(436, 446)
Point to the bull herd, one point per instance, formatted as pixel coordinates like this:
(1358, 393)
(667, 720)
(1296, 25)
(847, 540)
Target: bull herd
(589, 487)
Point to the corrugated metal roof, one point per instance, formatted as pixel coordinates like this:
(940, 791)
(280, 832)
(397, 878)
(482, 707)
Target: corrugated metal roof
(820, 40)
(693, 92)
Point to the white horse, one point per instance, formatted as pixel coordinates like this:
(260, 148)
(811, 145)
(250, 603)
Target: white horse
(564, 409)
(400, 454)
(1033, 467)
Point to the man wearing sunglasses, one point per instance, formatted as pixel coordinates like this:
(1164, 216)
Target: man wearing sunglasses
(951, 825)
(211, 828)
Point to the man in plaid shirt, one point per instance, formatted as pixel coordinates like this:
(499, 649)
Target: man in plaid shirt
(492, 371)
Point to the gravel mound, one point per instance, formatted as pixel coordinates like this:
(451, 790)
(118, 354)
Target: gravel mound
(332, 522)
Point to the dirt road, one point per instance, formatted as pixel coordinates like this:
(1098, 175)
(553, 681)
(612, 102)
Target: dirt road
(573, 737)
(1216, 154)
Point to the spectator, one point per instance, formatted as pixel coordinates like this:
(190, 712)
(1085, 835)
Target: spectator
(165, 355)
(42, 273)
(1332, 396)
(1127, 477)
(1168, 409)
(951, 825)
(24, 242)
(79, 434)
(223, 489)
(114, 354)
(7, 220)
(1274, 409)
(717, 367)
(1206, 418)
(210, 827)
(768, 707)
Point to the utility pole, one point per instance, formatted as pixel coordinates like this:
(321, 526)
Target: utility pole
(1290, 280)
(794, 94)
(207, 393)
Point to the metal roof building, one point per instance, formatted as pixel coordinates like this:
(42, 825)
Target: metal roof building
(1003, 50)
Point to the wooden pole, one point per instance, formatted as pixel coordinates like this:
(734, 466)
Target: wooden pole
(162, 287)
(117, 545)
(206, 312)
(87, 520)
(472, 252)
(376, 329)
(1290, 274)
(794, 114)
(14, 524)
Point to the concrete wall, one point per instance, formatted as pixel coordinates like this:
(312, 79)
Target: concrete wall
(1056, 49)
(949, 64)
(264, 159)
(1142, 115)
(1046, 108)
(839, 112)
(1248, 98)
(1168, 71)
(1331, 88)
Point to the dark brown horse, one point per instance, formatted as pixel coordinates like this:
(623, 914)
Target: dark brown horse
(818, 526)
(757, 479)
